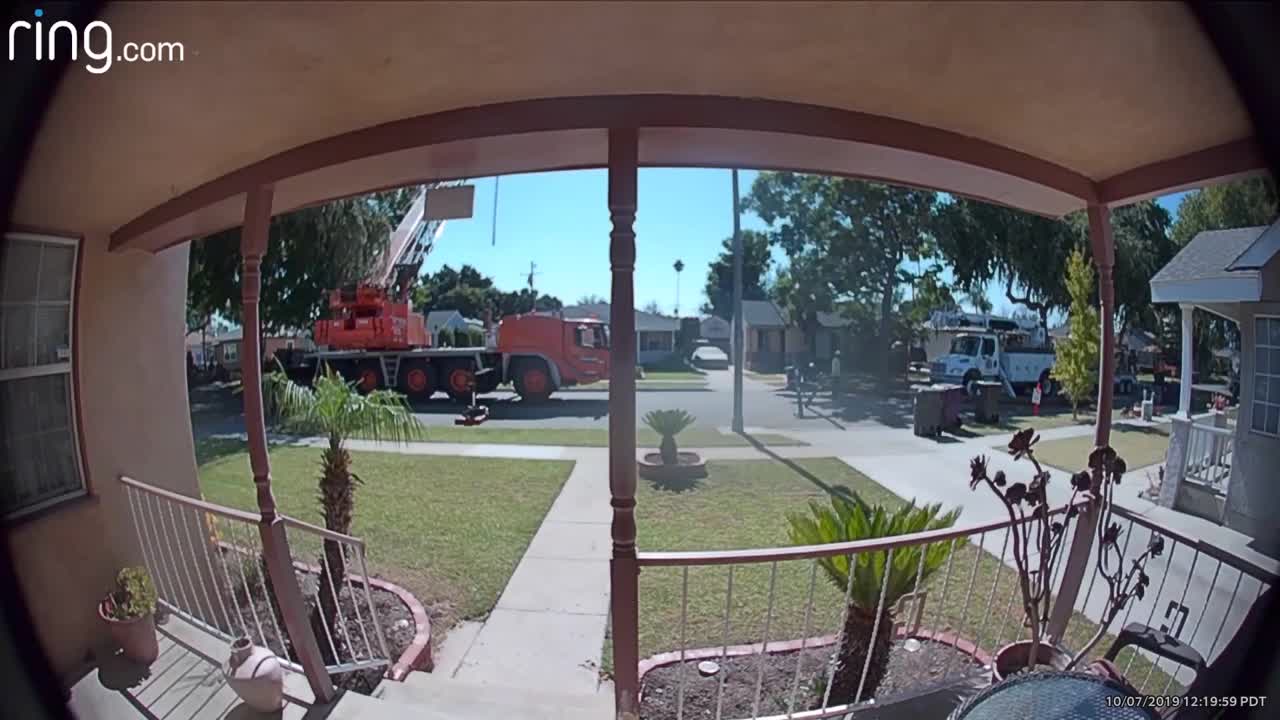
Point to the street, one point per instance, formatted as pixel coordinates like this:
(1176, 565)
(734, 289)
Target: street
(764, 405)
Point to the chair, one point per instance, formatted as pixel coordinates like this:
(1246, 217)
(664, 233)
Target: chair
(1217, 678)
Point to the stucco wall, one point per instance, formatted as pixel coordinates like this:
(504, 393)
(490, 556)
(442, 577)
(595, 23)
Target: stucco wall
(134, 420)
(1253, 502)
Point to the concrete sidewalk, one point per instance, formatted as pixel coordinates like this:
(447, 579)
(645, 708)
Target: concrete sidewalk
(547, 630)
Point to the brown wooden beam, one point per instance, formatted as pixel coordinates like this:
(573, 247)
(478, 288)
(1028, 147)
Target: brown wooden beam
(1076, 566)
(624, 569)
(271, 528)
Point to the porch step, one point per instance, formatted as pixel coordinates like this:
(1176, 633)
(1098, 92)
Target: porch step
(435, 697)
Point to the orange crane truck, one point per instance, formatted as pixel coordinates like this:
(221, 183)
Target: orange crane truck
(374, 338)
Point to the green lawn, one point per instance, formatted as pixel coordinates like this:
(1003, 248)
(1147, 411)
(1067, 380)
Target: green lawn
(673, 375)
(1017, 417)
(449, 529)
(1140, 446)
(742, 504)
(592, 437)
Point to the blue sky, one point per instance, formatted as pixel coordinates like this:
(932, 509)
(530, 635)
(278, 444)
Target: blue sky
(560, 222)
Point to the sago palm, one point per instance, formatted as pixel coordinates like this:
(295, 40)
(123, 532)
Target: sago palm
(847, 518)
(335, 409)
(668, 424)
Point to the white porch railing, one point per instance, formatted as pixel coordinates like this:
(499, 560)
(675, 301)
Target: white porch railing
(1209, 452)
(209, 569)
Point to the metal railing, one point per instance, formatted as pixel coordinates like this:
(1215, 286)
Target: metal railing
(210, 569)
(773, 600)
(1209, 452)
(1199, 594)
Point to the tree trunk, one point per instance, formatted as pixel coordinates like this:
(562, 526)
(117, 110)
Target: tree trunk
(667, 449)
(852, 656)
(337, 500)
(885, 342)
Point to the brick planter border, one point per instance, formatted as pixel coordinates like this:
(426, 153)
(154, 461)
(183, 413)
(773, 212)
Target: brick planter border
(417, 655)
(654, 662)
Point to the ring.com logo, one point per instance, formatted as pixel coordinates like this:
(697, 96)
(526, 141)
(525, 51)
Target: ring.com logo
(95, 41)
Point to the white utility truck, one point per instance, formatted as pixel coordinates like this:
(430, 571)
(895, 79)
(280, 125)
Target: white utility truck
(1007, 358)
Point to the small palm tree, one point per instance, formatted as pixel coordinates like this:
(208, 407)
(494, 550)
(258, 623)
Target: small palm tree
(850, 518)
(668, 424)
(336, 409)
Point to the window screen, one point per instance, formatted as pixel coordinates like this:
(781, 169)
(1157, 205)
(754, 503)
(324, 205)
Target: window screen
(1266, 376)
(39, 463)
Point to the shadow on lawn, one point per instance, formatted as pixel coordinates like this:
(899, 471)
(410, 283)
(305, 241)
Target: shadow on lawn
(840, 491)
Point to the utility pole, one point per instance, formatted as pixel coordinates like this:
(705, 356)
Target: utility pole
(738, 351)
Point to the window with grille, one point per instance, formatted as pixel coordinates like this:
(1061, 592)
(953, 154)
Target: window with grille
(39, 459)
(1266, 376)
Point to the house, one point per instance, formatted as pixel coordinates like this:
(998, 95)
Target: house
(1234, 274)
(717, 331)
(227, 350)
(764, 331)
(437, 320)
(655, 334)
(124, 168)
(1142, 344)
(774, 342)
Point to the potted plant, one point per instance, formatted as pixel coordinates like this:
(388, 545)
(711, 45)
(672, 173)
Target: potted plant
(129, 612)
(669, 464)
(1038, 541)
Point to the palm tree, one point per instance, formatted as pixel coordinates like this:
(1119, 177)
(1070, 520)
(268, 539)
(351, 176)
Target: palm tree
(335, 409)
(850, 518)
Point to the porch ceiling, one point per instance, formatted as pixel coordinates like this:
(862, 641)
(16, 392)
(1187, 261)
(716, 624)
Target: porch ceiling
(1042, 107)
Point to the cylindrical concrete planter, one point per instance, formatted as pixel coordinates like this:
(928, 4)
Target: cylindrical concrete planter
(135, 636)
(256, 676)
(689, 467)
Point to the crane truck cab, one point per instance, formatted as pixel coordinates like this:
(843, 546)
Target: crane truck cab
(999, 357)
(543, 353)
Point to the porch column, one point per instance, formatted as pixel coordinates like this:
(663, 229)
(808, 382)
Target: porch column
(1077, 564)
(271, 529)
(1187, 366)
(624, 572)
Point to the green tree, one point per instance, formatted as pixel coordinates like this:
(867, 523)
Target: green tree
(470, 292)
(446, 337)
(591, 299)
(850, 518)
(801, 292)
(311, 251)
(756, 262)
(855, 236)
(1142, 246)
(334, 409)
(986, 243)
(1243, 203)
(1076, 365)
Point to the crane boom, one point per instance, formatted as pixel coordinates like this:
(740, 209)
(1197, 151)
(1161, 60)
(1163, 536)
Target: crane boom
(410, 243)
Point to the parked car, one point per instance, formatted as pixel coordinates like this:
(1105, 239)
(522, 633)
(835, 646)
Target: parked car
(710, 357)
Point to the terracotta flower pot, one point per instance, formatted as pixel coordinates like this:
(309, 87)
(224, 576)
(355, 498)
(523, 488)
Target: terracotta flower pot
(1016, 656)
(256, 676)
(135, 636)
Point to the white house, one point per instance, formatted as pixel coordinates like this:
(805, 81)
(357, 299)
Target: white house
(655, 334)
(1234, 274)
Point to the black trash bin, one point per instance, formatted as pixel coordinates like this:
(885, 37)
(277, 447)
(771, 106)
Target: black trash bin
(988, 403)
(927, 420)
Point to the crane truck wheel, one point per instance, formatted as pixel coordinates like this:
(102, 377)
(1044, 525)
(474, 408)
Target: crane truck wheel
(532, 381)
(368, 376)
(971, 379)
(458, 380)
(417, 380)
